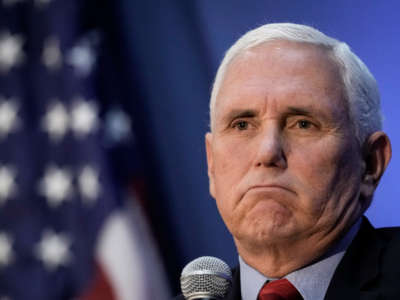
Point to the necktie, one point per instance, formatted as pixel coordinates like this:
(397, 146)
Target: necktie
(280, 289)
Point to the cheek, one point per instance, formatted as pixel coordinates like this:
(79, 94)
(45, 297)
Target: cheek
(312, 165)
(326, 177)
(231, 164)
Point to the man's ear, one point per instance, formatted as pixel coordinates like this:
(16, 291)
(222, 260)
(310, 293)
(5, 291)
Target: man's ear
(377, 153)
(210, 162)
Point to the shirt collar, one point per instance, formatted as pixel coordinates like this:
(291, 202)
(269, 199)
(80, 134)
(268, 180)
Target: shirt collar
(311, 281)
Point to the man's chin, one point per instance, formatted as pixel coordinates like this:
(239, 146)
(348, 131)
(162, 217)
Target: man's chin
(266, 233)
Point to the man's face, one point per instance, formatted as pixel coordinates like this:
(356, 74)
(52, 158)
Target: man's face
(283, 161)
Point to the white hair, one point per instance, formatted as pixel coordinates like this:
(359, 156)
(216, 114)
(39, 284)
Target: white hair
(360, 86)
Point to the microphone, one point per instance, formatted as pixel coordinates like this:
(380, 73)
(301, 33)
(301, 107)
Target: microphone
(206, 277)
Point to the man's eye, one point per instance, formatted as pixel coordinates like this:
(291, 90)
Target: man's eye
(304, 124)
(241, 125)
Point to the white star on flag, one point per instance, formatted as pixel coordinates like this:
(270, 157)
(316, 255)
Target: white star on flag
(6, 250)
(56, 121)
(117, 126)
(10, 51)
(51, 56)
(56, 185)
(9, 121)
(7, 183)
(9, 3)
(89, 186)
(84, 117)
(82, 58)
(54, 250)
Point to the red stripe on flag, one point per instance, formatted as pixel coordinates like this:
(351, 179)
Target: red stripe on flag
(100, 287)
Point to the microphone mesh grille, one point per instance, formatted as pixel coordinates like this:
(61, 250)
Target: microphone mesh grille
(206, 276)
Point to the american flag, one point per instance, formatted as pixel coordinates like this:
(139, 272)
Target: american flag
(64, 230)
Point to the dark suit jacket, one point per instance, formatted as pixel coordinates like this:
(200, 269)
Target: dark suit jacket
(369, 270)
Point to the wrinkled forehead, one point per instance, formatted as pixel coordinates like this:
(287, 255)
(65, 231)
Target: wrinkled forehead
(276, 58)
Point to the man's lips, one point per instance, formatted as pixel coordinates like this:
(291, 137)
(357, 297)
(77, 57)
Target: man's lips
(269, 187)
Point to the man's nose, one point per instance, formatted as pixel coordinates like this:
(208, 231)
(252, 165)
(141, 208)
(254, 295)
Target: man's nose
(270, 152)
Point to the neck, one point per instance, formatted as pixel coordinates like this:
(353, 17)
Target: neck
(279, 259)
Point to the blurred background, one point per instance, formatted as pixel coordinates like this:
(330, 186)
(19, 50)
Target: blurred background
(103, 111)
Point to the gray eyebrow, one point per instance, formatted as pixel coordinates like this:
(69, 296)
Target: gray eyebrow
(240, 113)
(300, 111)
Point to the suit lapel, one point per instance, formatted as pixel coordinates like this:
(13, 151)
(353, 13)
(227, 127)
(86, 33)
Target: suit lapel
(358, 268)
(235, 292)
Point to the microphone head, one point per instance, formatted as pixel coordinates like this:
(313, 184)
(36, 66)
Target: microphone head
(206, 277)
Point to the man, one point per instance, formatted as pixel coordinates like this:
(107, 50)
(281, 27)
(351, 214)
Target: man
(294, 155)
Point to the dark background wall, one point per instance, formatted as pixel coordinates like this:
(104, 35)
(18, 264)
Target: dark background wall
(170, 52)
